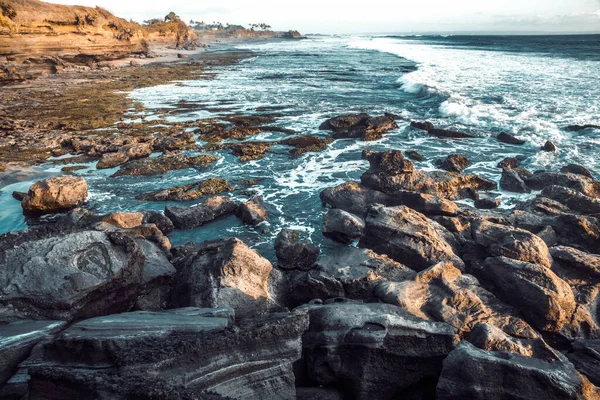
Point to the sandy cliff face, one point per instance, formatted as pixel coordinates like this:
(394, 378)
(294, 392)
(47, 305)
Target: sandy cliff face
(38, 37)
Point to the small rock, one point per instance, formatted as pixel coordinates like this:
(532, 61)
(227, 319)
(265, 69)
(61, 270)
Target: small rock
(454, 163)
(577, 169)
(424, 126)
(253, 212)
(19, 196)
(444, 133)
(549, 146)
(510, 139)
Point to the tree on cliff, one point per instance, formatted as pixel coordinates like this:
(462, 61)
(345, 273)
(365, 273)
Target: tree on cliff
(172, 17)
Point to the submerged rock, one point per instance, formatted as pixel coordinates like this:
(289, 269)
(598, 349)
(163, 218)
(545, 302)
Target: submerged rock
(160, 165)
(192, 191)
(195, 216)
(293, 252)
(424, 126)
(445, 133)
(155, 355)
(55, 195)
(510, 139)
(222, 273)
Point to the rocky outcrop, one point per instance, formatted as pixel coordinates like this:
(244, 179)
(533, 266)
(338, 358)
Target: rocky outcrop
(163, 164)
(77, 275)
(198, 215)
(454, 163)
(294, 252)
(183, 353)
(192, 191)
(222, 273)
(55, 195)
(254, 211)
(361, 126)
(367, 349)
(407, 237)
(390, 172)
(342, 226)
(542, 179)
(508, 375)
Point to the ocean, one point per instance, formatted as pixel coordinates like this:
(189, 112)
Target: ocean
(529, 86)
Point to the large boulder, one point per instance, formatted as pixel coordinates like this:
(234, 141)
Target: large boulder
(585, 263)
(55, 195)
(198, 215)
(186, 353)
(389, 172)
(294, 252)
(443, 293)
(408, 237)
(222, 273)
(541, 296)
(18, 338)
(573, 199)
(77, 275)
(342, 226)
(507, 241)
(513, 180)
(373, 350)
(473, 373)
(541, 179)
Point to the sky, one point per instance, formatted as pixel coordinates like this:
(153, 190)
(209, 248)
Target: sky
(373, 16)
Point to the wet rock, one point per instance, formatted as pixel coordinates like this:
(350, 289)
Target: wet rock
(293, 252)
(359, 126)
(192, 191)
(445, 133)
(195, 216)
(509, 163)
(65, 276)
(306, 144)
(55, 194)
(18, 338)
(153, 355)
(249, 151)
(588, 264)
(318, 393)
(443, 293)
(579, 128)
(373, 350)
(415, 155)
(389, 172)
(512, 180)
(541, 296)
(19, 196)
(549, 146)
(126, 153)
(541, 179)
(180, 141)
(163, 164)
(161, 221)
(511, 242)
(510, 139)
(424, 126)
(222, 273)
(487, 204)
(576, 169)
(573, 199)
(407, 236)
(342, 226)
(508, 375)
(454, 163)
(253, 212)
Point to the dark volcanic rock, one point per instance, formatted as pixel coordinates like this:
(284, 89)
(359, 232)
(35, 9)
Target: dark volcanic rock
(487, 204)
(586, 358)
(254, 211)
(510, 139)
(443, 293)
(293, 252)
(454, 163)
(541, 179)
(535, 290)
(194, 216)
(372, 350)
(222, 273)
(576, 169)
(77, 275)
(573, 199)
(424, 126)
(359, 126)
(445, 133)
(192, 191)
(509, 163)
(578, 128)
(407, 236)
(143, 355)
(342, 226)
(18, 338)
(55, 194)
(512, 180)
(344, 122)
(588, 264)
(475, 374)
(389, 172)
(19, 196)
(415, 155)
(549, 146)
(160, 165)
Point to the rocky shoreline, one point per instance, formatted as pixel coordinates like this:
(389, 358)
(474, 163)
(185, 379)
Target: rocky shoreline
(438, 299)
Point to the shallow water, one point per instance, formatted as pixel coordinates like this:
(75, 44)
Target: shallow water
(529, 86)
